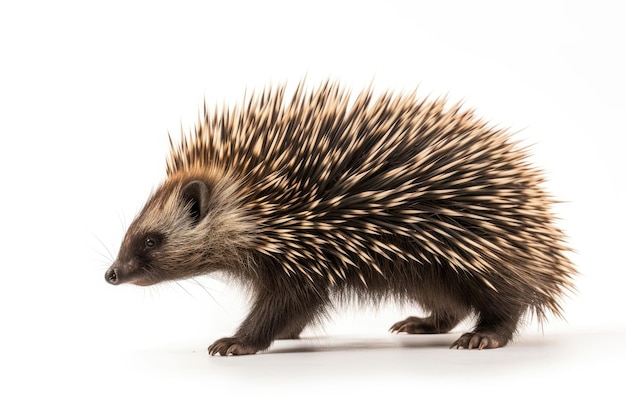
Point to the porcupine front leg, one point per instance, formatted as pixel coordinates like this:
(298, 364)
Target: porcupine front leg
(273, 315)
(292, 331)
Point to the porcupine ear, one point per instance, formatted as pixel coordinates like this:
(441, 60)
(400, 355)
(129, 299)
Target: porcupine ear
(196, 194)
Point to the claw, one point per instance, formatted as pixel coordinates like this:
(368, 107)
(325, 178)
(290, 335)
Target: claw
(411, 325)
(478, 340)
(231, 346)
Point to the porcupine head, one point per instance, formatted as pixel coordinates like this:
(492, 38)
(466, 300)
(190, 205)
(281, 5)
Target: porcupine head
(389, 197)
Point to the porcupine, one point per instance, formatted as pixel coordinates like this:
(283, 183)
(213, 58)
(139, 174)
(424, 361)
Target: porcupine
(321, 197)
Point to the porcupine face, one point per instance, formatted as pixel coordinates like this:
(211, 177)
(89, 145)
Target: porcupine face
(178, 234)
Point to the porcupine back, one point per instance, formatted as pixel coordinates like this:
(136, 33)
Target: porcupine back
(343, 192)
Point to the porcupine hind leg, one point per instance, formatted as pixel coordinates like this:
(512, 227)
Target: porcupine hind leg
(273, 315)
(495, 327)
(433, 324)
(435, 292)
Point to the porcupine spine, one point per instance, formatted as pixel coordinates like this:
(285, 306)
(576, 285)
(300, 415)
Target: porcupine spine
(342, 194)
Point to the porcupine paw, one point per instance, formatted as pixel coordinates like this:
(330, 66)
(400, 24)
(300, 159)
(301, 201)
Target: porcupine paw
(228, 346)
(479, 340)
(414, 325)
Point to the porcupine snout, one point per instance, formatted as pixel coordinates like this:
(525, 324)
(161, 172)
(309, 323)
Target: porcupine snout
(111, 276)
(122, 271)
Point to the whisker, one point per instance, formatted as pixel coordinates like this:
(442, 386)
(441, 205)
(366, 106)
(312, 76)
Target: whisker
(110, 255)
(122, 219)
(183, 288)
(198, 283)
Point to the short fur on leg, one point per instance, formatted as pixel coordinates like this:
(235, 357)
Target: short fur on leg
(274, 314)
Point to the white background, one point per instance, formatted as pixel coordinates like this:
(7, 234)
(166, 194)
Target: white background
(88, 94)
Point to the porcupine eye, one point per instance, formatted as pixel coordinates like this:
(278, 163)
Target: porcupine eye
(152, 241)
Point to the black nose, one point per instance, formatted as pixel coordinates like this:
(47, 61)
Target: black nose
(111, 276)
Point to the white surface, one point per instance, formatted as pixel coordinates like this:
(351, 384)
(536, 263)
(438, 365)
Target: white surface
(87, 96)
